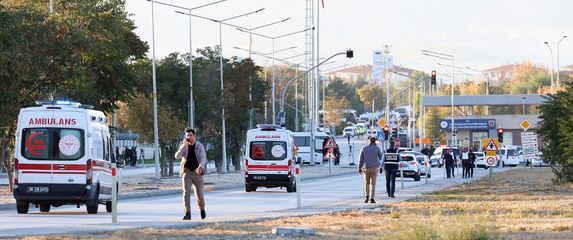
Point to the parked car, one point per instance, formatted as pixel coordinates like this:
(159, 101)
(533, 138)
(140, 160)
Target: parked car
(410, 166)
(423, 162)
(480, 160)
(508, 156)
(438, 155)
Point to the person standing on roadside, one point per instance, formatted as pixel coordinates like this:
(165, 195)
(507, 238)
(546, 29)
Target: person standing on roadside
(192, 169)
(369, 164)
(391, 159)
(472, 164)
(465, 156)
(450, 162)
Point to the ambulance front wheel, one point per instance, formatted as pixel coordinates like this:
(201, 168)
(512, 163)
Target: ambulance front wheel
(250, 188)
(22, 206)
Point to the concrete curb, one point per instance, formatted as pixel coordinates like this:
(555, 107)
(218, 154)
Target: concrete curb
(137, 195)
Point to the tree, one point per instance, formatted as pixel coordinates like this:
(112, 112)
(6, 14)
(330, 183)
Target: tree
(369, 93)
(556, 129)
(334, 107)
(81, 52)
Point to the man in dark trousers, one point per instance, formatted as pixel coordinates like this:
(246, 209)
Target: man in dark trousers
(370, 165)
(472, 164)
(450, 161)
(391, 159)
(193, 160)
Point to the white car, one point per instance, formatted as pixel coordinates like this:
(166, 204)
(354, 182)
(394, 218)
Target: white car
(508, 156)
(480, 160)
(349, 131)
(423, 161)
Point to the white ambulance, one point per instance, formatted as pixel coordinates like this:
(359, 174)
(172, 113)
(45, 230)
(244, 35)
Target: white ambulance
(63, 155)
(270, 159)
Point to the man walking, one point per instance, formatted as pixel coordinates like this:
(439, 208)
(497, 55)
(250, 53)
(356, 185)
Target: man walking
(370, 165)
(391, 159)
(192, 169)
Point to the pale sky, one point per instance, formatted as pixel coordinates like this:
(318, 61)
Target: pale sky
(480, 34)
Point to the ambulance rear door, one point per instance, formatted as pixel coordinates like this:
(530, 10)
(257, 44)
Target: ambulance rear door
(53, 149)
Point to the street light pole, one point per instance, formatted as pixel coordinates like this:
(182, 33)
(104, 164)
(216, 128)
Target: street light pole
(449, 58)
(551, 71)
(155, 127)
(558, 87)
(191, 122)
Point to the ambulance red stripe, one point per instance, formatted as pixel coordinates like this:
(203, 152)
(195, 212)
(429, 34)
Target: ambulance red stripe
(268, 167)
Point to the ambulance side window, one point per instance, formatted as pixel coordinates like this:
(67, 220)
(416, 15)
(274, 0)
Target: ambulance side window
(98, 145)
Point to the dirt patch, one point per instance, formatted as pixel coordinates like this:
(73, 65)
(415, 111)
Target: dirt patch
(517, 204)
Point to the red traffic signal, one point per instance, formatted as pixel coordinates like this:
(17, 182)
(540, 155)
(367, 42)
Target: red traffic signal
(433, 82)
(386, 129)
(500, 131)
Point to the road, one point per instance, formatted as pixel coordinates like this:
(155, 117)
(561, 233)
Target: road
(322, 195)
(318, 196)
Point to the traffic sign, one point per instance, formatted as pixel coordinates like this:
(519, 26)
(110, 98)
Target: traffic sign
(490, 161)
(381, 122)
(529, 144)
(525, 124)
(491, 146)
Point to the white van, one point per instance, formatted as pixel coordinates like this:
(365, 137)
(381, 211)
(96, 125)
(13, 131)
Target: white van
(270, 158)
(508, 156)
(302, 140)
(63, 156)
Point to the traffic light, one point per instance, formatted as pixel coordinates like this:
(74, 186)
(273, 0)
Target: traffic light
(433, 77)
(386, 132)
(500, 135)
(349, 53)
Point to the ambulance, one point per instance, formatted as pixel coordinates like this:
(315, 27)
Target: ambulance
(270, 159)
(63, 155)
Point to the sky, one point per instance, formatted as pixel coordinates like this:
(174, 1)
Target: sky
(480, 34)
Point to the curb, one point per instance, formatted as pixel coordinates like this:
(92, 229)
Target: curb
(7, 206)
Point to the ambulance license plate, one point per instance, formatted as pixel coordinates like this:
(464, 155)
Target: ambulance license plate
(37, 189)
(260, 177)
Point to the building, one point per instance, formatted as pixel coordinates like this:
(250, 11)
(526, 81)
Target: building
(505, 72)
(364, 72)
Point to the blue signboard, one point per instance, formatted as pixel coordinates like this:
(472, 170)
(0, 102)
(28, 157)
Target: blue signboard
(468, 124)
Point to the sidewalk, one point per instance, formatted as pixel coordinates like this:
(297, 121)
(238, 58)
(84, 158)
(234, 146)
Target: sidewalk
(140, 182)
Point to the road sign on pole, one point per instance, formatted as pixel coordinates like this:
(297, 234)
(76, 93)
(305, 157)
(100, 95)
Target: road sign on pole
(381, 122)
(525, 124)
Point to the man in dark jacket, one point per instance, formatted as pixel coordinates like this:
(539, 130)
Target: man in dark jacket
(391, 159)
(449, 159)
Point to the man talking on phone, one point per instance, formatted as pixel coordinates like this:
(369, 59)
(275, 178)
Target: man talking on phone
(193, 159)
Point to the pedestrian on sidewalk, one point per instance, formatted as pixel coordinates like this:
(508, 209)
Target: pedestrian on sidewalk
(192, 169)
(391, 159)
(369, 164)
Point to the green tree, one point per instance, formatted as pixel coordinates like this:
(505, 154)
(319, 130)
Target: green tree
(556, 129)
(82, 52)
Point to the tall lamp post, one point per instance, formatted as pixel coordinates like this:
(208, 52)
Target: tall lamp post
(551, 71)
(273, 60)
(223, 128)
(448, 58)
(191, 116)
(558, 87)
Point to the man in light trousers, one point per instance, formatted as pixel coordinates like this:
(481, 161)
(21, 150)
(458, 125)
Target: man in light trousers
(370, 165)
(192, 169)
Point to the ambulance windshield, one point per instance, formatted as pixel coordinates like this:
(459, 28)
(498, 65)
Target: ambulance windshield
(268, 150)
(52, 144)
